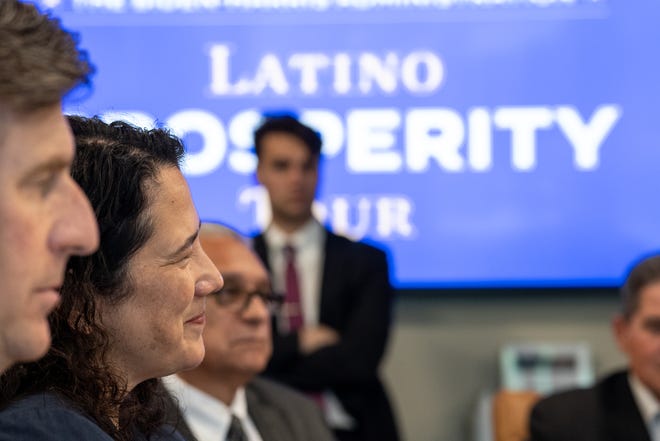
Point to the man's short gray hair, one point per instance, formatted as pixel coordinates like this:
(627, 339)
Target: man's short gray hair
(214, 229)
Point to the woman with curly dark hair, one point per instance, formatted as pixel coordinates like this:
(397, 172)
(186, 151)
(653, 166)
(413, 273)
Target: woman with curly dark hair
(131, 312)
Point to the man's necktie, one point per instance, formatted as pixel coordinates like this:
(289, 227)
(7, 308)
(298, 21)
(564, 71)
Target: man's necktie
(292, 305)
(235, 432)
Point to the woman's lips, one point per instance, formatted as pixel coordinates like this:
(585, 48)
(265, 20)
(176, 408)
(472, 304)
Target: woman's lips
(199, 319)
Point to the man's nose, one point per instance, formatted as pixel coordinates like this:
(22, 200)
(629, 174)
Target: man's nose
(75, 231)
(255, 309)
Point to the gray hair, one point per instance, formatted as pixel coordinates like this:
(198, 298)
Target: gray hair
(213, 229)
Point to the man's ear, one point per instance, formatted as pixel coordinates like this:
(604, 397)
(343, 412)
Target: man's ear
(258, 173)
(620, 326)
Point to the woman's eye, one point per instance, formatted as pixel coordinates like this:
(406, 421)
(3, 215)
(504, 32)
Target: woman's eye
(186, 257)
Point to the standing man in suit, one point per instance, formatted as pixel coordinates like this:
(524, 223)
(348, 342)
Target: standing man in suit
(624, 406)
(222, 399)
(44, 215)
(332, 331)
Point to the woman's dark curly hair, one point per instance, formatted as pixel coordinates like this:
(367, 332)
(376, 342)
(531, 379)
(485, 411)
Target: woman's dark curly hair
(115, 165)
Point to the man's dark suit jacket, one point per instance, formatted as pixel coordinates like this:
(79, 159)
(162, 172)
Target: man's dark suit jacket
(278, 412)
(605, 412)
(356, 300)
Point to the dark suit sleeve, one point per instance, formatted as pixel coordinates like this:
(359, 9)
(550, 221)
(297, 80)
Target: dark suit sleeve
(364, 329)
(540, 426)
(285, 352)
(567, 416)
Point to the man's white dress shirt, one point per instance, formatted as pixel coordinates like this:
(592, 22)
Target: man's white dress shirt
(208, 417)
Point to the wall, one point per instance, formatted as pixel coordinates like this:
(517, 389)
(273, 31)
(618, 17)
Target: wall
(443, 351)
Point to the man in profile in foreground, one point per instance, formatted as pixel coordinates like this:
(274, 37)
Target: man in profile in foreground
(222, 399)
(624, 406)
(44, 215)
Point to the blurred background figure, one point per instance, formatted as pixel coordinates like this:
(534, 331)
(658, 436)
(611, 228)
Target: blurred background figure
(44, 216)
(331, 334)
(223, 399)
(624, 406)
(131, 312)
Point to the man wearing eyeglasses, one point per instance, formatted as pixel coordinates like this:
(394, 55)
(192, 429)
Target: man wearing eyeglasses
(222, 399)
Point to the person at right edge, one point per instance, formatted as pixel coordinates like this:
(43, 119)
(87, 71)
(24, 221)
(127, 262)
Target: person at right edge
(625, 405)
(331, 333)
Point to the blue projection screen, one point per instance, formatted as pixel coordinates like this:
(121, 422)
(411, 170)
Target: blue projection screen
(485, 143)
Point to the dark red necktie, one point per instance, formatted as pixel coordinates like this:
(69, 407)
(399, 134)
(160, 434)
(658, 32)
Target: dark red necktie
(293, 307)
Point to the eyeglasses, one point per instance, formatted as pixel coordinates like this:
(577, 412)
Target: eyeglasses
(238, 299)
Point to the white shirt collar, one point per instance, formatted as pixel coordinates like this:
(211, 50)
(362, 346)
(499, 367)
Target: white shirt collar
(206, 415)
(310, 233)
(646, 402)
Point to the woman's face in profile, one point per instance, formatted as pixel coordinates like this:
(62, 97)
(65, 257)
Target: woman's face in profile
(157, 330)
